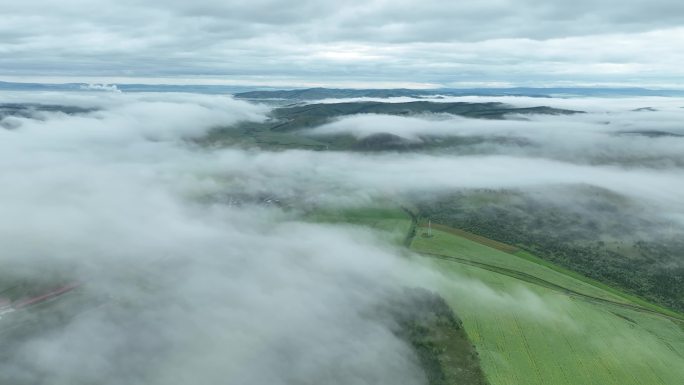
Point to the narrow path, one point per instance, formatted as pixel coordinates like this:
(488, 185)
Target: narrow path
(45, 296)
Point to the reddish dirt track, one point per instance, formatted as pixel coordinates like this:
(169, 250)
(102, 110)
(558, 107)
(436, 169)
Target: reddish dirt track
(46, 296)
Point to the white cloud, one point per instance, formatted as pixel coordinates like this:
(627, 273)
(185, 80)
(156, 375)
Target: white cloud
(189, 291)
(204, 291)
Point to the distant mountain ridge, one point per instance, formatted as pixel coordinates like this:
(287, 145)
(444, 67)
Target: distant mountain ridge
(261, 92)
(341, 93)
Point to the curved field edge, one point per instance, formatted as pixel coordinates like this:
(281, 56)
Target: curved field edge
(529, 329)
(526, 334)
(458, 243)
(533, 322)
(524, 254)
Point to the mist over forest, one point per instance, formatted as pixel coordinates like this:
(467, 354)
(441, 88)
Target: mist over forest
(195, 258)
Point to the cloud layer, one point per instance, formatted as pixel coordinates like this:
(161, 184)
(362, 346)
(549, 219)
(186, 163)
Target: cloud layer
(181, 290)
(638, 131)
(195, 288)
(350, 42)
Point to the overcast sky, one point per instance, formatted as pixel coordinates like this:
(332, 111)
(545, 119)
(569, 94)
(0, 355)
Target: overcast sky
(413, 43)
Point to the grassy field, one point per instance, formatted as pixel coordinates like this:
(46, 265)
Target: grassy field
(393, 223)
(533, 324)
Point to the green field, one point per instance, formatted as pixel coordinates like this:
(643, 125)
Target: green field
(392, 223)
(532, 324)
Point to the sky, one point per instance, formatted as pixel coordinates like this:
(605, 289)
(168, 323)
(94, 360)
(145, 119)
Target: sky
(346, 43)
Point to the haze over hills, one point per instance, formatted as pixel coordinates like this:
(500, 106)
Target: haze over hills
(261, 92)
(325, 93)
(452, 217)
(357, 192)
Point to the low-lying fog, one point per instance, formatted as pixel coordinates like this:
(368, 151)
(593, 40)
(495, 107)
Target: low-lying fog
(121, 198)
(638, 131)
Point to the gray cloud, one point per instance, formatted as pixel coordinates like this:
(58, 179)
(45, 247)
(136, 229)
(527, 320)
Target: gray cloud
(309, 42)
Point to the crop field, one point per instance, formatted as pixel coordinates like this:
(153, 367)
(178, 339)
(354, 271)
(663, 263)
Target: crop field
(534, 325)
(450, 245)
